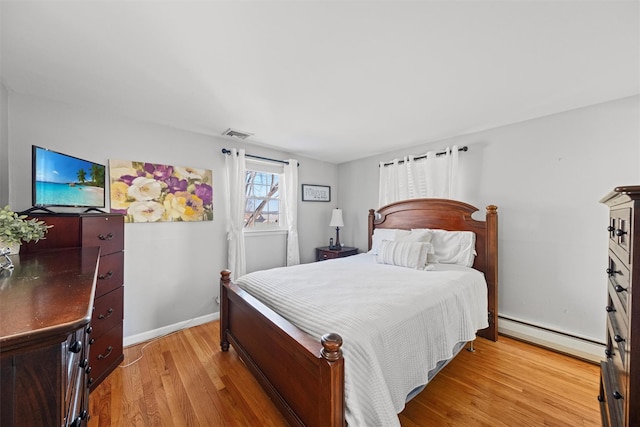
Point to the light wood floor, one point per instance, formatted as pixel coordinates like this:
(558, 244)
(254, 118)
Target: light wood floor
(185, 380)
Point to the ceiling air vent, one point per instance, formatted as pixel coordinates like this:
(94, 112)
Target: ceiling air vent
(236, 134)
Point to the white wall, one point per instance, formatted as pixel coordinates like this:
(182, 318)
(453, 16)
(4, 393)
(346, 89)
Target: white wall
(171, 269)
(4, 146)
(4, 137)
(546, 177)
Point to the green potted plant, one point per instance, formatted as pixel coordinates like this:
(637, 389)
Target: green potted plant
(15, 229)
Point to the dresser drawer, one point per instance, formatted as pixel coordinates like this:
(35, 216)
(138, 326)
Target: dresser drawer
(613, 404)
(104, 231)
(619, 283)
(322, 255)
(618, 347)
(617, 304)
(110, 273)
(105, 354)
(76, 393)
(108, 311)
(620, 233)
(326, 252)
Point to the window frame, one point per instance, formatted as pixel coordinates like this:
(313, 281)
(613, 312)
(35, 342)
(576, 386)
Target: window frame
(269, 169)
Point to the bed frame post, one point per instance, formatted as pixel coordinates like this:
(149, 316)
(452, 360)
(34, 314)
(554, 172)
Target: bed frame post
(372, 217)
(491, 274)
(225, 278)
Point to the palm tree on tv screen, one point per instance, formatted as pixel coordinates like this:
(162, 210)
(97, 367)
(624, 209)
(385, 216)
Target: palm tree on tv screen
(97, 175)
(82, 175)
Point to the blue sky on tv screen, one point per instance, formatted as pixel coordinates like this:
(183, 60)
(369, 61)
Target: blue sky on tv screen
(59, 168)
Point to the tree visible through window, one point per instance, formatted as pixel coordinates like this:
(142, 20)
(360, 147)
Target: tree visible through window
(262, 209)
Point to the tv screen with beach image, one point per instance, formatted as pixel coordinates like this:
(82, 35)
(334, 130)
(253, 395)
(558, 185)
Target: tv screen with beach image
(63, 180)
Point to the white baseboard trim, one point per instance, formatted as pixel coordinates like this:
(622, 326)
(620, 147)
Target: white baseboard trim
(165, 330)
(574, 346)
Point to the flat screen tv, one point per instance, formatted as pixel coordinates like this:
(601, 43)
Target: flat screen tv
(63, 180)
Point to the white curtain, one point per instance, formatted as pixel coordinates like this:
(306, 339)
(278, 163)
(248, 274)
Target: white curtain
(290, 198)
(408, 178)
(235, 173)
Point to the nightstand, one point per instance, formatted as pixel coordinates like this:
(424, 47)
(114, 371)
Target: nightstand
(326, 253)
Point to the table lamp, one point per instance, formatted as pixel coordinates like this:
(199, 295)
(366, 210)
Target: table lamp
(337, 222)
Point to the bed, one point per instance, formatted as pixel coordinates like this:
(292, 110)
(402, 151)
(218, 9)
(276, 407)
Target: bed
(304, 373)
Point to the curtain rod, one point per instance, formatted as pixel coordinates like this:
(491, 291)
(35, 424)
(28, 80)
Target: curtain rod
(225, 151)
(439, 153)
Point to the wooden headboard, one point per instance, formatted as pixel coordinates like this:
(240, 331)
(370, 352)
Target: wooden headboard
(455, 216)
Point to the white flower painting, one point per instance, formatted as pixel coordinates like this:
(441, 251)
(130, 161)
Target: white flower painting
(149, 192)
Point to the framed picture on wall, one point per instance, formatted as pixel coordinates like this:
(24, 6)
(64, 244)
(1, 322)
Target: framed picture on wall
(316, 193)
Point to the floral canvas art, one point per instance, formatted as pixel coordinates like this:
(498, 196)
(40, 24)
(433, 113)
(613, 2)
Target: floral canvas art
(149, 192)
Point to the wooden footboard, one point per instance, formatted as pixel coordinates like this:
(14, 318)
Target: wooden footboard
(303, 377)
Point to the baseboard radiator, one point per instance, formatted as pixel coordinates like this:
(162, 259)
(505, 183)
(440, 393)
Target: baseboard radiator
(580, 347)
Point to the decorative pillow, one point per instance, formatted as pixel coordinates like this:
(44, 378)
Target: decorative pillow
(380, 234)
(452, 247)
(403, 254)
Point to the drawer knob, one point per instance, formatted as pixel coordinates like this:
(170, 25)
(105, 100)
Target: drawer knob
(610, 309)
(105, 276)
(620, 232)
(612, 272)
(618, 338)
(107, 237)
(76, 347)
(617, 395)
(90, 329)
(107, 354)
(619, 288)
(106, 316)
(91, 341)
(608, 353)
(83, 363)
(610, 228)
(88, 370)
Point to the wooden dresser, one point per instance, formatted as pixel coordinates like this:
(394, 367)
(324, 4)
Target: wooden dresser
(106, 231)
(45, 309)
(620, 372)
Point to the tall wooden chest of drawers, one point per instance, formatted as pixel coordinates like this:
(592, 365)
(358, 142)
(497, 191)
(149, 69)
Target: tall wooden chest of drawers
(620, 372)
(45, 310)
(106, 231)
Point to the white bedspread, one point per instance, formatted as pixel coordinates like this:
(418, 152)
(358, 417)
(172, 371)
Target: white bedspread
(396, 323)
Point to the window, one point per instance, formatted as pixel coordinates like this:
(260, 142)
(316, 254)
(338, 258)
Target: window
(263, 204)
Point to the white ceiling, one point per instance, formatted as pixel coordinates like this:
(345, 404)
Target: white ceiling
(331, 80)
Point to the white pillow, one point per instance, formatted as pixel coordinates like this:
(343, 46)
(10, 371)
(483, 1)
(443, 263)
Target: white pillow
(403, 254)
(418, 235)
(393, 234)
(453, 247)
(380, 234)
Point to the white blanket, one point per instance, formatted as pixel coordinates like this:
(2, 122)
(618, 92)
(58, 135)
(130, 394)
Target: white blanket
(396, 323)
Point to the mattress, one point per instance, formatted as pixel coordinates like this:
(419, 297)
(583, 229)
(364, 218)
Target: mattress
(397, 323)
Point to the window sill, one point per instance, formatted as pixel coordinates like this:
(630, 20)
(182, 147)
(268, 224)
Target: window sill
(264, 232)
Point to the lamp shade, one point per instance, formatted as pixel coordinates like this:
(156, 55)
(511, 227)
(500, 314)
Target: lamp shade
(336, 218)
